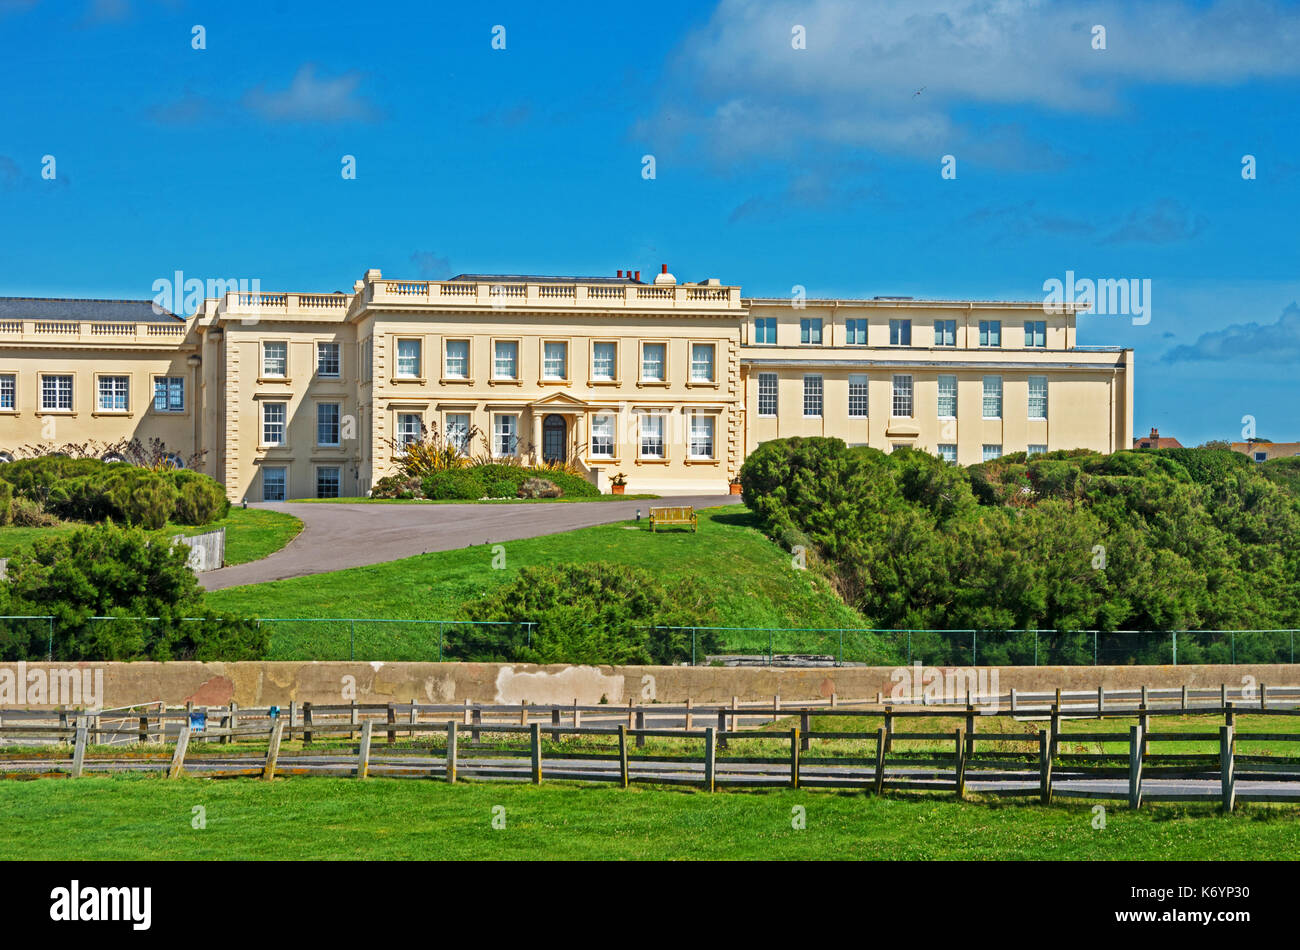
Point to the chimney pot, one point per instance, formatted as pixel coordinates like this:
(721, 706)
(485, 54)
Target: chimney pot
(638, 277)
(663, 268)
(620, 273)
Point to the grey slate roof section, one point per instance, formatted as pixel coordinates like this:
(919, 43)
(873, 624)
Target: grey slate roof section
(534, 279)
(66, 308)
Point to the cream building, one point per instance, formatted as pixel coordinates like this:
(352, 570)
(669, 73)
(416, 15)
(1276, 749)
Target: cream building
(290, 395)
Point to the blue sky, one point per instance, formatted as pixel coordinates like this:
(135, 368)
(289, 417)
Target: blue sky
(774, 166)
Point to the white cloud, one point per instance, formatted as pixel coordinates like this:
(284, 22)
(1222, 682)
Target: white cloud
(309, 99)
(739, 86)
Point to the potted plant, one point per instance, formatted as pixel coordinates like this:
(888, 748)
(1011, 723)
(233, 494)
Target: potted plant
(618, 484)
(734, 486)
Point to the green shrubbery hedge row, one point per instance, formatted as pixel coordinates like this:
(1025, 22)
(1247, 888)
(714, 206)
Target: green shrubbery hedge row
(479, 481)
(1189, 539)
(92, 490)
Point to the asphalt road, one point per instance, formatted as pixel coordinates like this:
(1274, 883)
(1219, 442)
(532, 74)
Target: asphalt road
(337, 536)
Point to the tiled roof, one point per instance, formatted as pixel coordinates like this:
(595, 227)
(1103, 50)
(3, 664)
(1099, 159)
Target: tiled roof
(66, 308)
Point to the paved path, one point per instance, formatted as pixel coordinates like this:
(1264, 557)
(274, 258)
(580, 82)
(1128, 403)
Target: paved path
(336, 536)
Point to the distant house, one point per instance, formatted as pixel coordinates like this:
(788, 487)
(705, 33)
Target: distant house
(1263, 451)
(1156, 441)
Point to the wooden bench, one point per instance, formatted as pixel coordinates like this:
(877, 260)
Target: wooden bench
(683, 515)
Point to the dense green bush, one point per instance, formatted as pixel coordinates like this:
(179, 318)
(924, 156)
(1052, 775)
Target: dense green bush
(453, 483)
(585, 613)
(1137, 540)
(6, 501)
(91, 490)
(107, 571)
(200, 499)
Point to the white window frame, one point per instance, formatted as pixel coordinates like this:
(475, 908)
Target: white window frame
(284, 482)
(322, 361)
(1031, 334)
(270, 362)
(282, 424)
(1036, 448)
(902, 396)
(990, 452)
(810, 327)
(403, 368)
(549, 361)
(598, 373)
(856, 332)
(991, 395)
(988, 330)
(1037, 402)
(338, 422)
(900, 332)
(712, 350)
(768, 399)
(338, 480)
(761, 326)
(603, 430)
(409, 428)
(507, 346)
(119, 386)
(60, 388)
(455, 431)
(945, 381)
(814, 396)
(662, 348)
(650, 431)
(461, 359)
(505, 437)
(166, 382)
(941, 333)
(8, 391)
(859, 395)
(698, 444)
(948, 452)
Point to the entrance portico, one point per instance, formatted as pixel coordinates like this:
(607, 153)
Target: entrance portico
(559, 428)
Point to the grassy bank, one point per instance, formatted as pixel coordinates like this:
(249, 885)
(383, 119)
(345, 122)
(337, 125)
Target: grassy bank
(749, 579)
(324, 818)
(250, 533)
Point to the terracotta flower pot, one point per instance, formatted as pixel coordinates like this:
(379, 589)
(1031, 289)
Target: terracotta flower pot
(735, 489)
(618, 489)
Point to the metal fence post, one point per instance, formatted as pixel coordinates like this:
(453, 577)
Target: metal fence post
(1174, 633)
(1035, 648)
(50, 652)
(441, 628)
(841, 660)
(352, 639)
(1094, 648)
(909, 648)
(1234, 646)
(973, 661)
(771, 646)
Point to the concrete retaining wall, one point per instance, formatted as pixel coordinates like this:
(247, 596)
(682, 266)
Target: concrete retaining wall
(262, 683)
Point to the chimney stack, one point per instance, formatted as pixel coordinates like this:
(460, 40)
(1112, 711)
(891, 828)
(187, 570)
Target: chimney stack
(620, 273)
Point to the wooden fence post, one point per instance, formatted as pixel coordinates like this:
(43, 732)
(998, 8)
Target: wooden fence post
(1263, 696)
(1227, 768)
(794, 757)
(1145, 722)
(1135, 739)
(273, 749)
(467, 712)
(889, 728)
(1144, 695)
(451, 751)
(970, 730)
(1056, 731)
(577, 714)
(805, 724)
(622, 754)
(722, 728)
(353, 719)
(1223, 694)
(1183, 700)
(1013, 699)
(1044, 768)
(776, 707)
(392, 720)
(710, 758)
(631, 717)
(535, 741)
(640, 724)
(306, 723)
(1230, 714)
(178, 755)
(882, 744)
(293, 717)
(555, 721)
(415, 715)
(79, 751)
(523, 712)
(690, 717)
(959, 769)
(234, 718)
(1101, 700)
(144, 728)
(363, 752)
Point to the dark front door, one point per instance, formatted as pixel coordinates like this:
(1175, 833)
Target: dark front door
(553, 438)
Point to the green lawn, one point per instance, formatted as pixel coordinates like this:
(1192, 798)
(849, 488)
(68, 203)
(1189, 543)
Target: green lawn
(331, 818)
(749, 578)
(251, 533)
